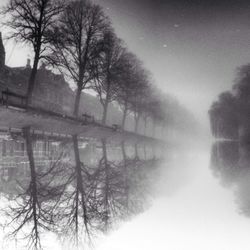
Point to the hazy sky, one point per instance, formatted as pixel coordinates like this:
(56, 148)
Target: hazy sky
(192, 47)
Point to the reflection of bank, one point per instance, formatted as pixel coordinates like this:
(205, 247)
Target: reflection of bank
(230, 162)
(224, 161)
(14, 160)
(88, 189)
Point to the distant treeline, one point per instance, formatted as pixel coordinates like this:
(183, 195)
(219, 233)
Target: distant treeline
(230, 114)
(77, 39)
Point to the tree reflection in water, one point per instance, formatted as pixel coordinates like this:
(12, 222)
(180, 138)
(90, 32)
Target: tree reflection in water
(230, 161)
(31, 209)
(74, 189)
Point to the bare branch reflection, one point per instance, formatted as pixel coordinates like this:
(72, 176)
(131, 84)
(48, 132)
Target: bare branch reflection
(74, 189)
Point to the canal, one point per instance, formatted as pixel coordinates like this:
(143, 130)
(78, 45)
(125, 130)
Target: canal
(201, 202)
(185, 196)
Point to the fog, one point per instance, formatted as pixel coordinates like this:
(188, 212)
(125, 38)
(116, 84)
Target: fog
(177, 178)
(191, 210)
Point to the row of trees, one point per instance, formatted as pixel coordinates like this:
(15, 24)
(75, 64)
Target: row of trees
(229, 116)
(77, 38)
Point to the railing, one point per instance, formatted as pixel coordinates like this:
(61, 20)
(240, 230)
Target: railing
(15, 100)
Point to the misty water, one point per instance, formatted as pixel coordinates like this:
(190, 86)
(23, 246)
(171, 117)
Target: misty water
(187, 195)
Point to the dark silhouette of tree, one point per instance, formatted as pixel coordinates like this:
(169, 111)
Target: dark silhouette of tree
(230, 163)
(134, 90)
(133, 203)
(139, 93)
(126, 80)
(31, 22)
(224, 161)
(32, 210)
(139, 178)
(80, 29)
(74, 207)
(119, 188)
(108, 193)
(224, 116)
(154, 110)
(109, 67)
(229, 116)
(76, 201)
(125, 166)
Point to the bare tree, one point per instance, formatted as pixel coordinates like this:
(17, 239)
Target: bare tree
(73, 208)
(109, 66)
(127, 79)
(107, 192)
(81, 27)
(32, 211)
(31, 22)
(139, 94)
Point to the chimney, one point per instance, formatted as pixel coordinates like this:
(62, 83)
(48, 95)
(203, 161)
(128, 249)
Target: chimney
(43, 66)
(28, 65)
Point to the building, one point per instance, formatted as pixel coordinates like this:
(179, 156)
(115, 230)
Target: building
(52, 92)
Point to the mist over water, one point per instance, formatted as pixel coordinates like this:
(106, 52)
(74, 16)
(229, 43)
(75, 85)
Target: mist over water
(193, 207)
(195, 197)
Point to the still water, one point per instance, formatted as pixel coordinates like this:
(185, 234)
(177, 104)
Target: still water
(68, 193)
(104, 196)
(202, 202)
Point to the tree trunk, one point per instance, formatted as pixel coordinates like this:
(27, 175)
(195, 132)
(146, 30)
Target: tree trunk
(106, 192)
(145, 151)
(77, 101)
(123, 151)
(136, 151)
(126, 177)
(105, 112)
(137, 118)
(79, 180)
(124, 116)
(107, 100)
(145, 125)
(33, 181)
(32, 80)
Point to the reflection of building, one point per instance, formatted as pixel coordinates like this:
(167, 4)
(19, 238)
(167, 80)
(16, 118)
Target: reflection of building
(51, 158)
(13, 155)
(90, 155)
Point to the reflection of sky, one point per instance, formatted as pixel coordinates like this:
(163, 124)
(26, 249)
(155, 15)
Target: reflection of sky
(202, 215)
(122, 177)
(191, 211)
